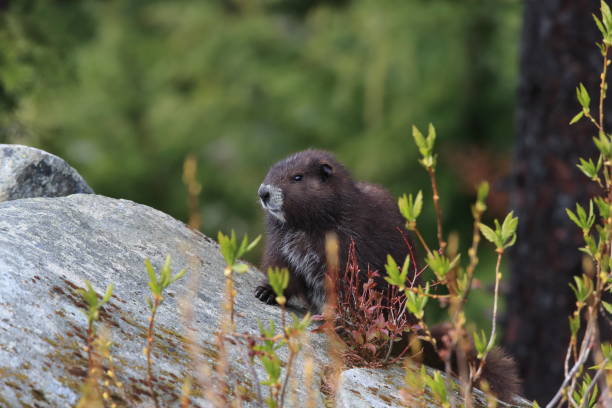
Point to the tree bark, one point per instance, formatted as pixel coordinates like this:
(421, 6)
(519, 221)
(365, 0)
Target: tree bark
(558, 51)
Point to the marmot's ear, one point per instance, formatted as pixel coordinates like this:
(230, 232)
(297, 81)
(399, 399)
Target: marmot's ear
(326, 171)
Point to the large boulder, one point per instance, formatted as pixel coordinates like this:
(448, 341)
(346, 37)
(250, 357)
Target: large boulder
(26, 172)
(51, 246)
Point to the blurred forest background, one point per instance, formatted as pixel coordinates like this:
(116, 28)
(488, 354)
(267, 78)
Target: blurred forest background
(125, 90)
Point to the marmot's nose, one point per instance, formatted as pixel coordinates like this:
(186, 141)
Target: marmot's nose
(264, 193)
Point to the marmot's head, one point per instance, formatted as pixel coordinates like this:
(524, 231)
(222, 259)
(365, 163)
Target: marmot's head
(307, 190)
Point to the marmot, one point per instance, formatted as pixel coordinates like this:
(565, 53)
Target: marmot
(309, 194)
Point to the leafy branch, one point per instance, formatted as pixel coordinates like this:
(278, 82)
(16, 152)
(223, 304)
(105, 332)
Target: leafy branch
(157, 285)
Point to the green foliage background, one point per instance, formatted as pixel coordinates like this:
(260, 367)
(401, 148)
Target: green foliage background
(125, 89)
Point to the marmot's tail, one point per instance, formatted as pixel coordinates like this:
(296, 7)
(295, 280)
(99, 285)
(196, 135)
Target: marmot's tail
(499, 372)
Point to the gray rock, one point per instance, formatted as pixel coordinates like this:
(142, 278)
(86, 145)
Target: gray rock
(26, 172)
(375, 388)
(50, 246)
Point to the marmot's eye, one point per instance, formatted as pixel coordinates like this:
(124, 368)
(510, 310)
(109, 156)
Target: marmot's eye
(297, 177)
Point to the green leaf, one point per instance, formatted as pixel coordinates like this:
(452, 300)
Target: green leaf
(582, 288)
(581, 215)
(483, 191)
(241, 268)
(243, 246)
(480, 342)
(405, 267)
(437, 385)
(108, 294)
(402, 204)
(165, 273)
(606, 350)
(418, 204)
(509, 226)
(607, 306)
(440, 264)
(420, 141)
(278, 278)
(600, 25)
(431, 137)
(606, 16)
(577, 117)
(415, 302)
(511, 242)
(574, 323)
(603, 207)
(602, 48)
(153, 284)
(393, 273)
(580, 218)
(253, 244)
(410, 208)
(583, 97)
(488, 232)
(504, 235)
(590, 169)
(228, 247)
(179, 275)
(602, 142)
(573, 217)
(157, 285)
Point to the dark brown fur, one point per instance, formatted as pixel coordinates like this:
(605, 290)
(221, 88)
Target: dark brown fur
(500, 370)
(326, 199)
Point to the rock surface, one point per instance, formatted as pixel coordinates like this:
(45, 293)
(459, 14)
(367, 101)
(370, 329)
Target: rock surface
(375, 388)
(50, 246)
(26, 172)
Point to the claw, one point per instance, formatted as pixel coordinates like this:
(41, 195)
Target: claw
(265, 294)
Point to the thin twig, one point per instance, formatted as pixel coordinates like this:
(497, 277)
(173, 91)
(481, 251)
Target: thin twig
(473, 254)
(498, 275)
(308, 375)
(148, 350)
(256, 378)
(225, 328)
(194, 351)
(594, 382)
(584, 354)
(90, 346)
(287, 376)
(436, 200)
(411, 254)
(592, 119)
(602, 87)
(567, 358)
(229, 292)
(421, 240)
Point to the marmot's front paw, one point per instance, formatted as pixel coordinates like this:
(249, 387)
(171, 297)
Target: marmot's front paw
(266, 294)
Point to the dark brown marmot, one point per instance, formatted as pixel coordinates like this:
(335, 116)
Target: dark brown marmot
(309, 194)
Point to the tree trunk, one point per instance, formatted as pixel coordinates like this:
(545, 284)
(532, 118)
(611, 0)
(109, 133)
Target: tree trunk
(558, 51)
